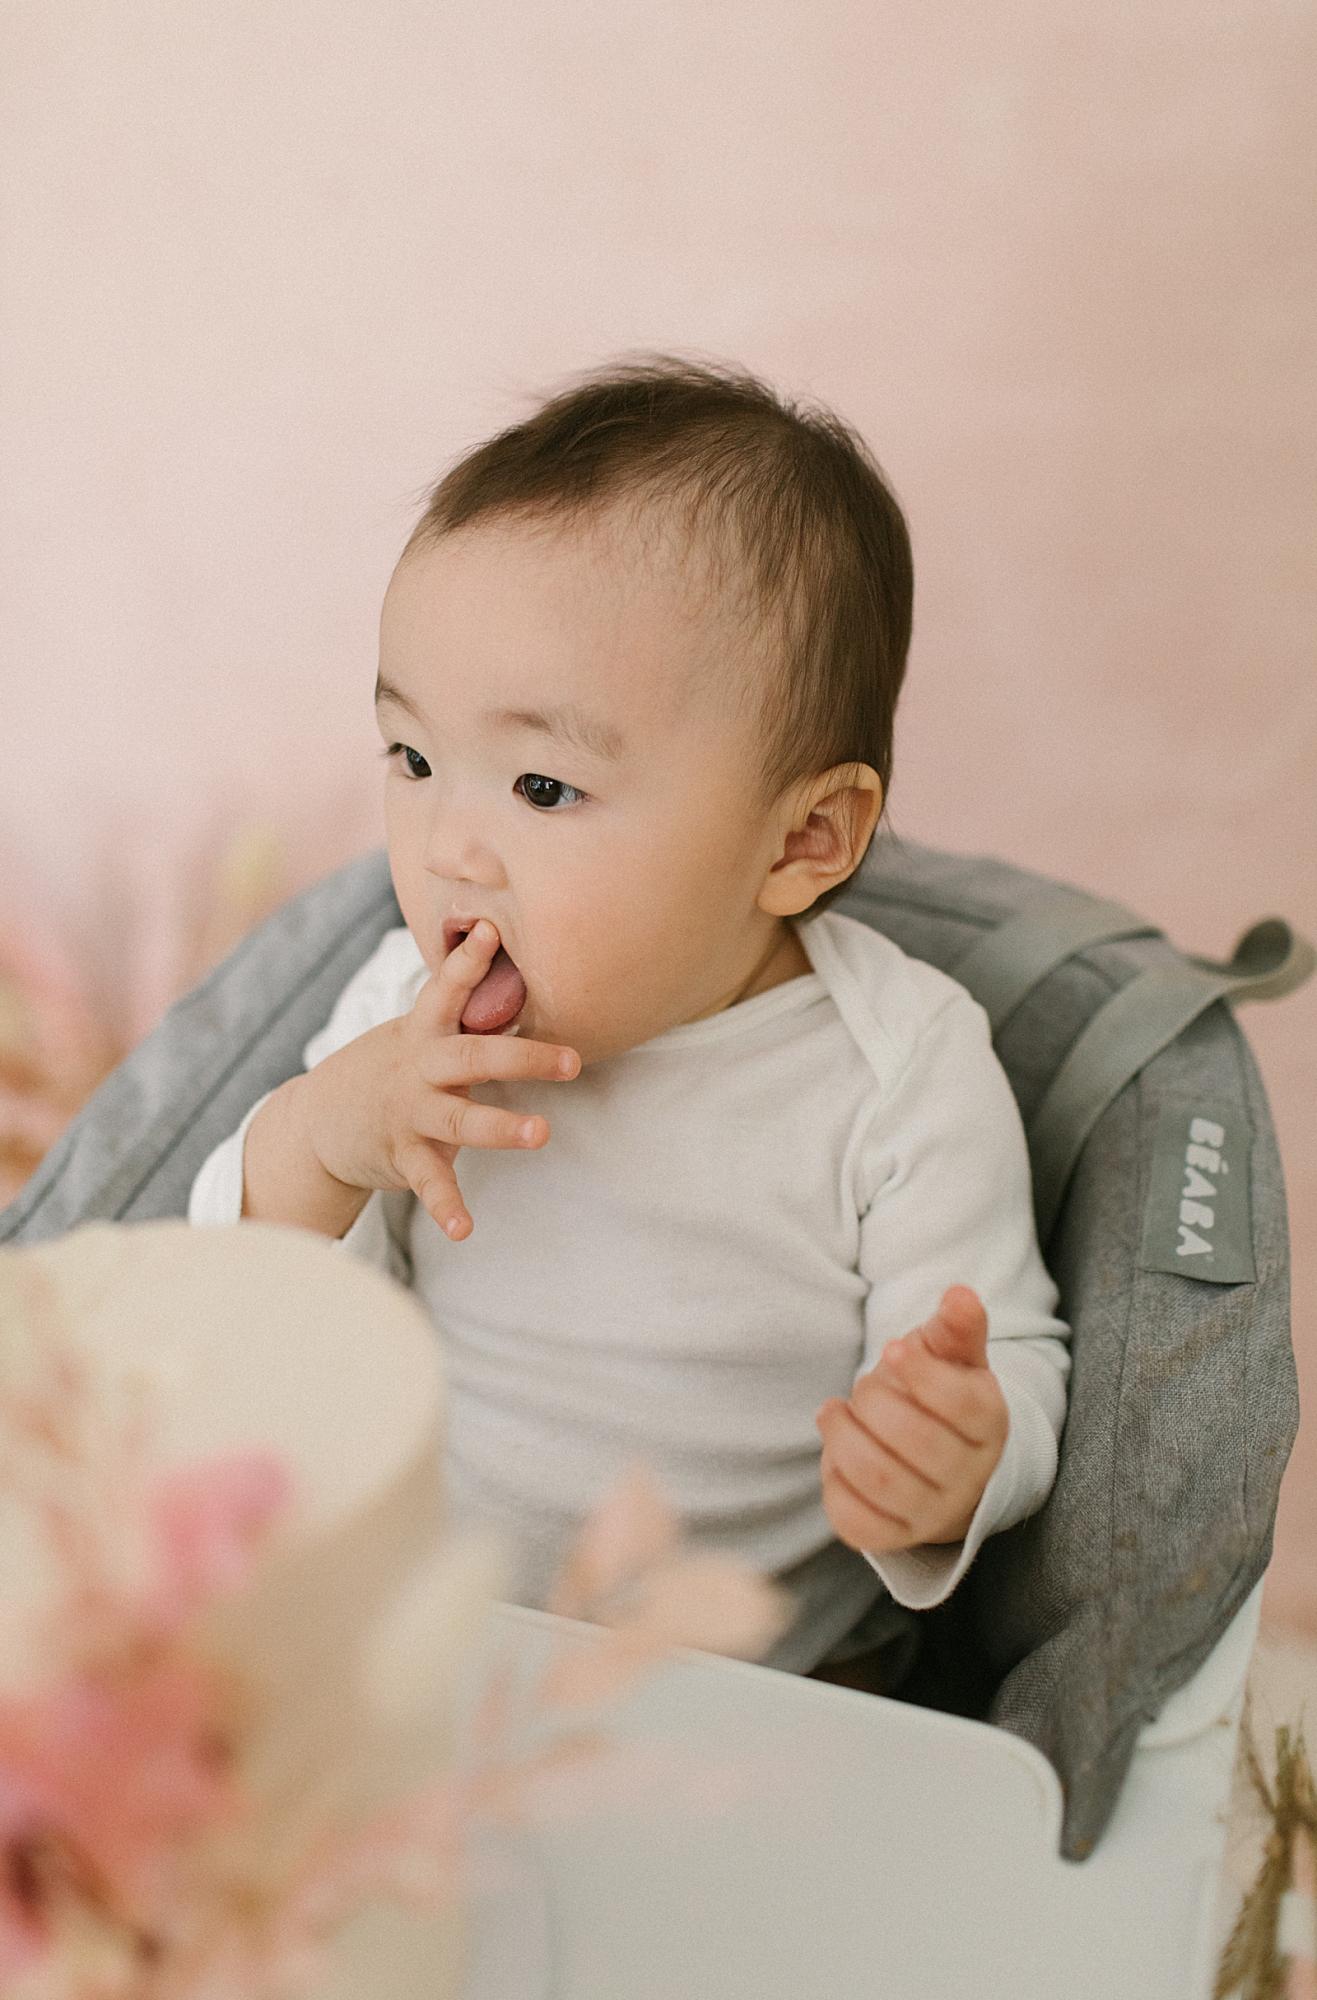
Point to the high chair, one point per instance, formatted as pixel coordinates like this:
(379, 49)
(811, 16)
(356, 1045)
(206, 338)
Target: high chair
(1127, 1605)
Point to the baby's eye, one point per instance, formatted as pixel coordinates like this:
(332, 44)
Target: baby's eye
(413, 763)
(546, 793)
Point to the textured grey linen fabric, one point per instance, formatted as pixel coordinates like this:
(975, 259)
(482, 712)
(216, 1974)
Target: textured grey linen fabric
(1071, 1629)
(1074, 1627)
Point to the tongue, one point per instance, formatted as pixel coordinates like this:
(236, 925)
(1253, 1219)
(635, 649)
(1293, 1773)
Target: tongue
(497, 1000)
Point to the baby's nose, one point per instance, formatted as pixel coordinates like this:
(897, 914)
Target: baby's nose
(456, 851)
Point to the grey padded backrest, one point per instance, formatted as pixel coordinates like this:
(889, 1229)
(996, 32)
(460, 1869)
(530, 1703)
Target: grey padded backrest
(1183, 1405)
(1183, 1401)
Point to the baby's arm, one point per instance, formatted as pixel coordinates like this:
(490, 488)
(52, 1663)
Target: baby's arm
(951, 1432)
(391, 1110)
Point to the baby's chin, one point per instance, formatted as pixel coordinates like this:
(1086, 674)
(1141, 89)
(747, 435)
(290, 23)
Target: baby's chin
(603, 1005)
(594, 1040)
(602, 1042)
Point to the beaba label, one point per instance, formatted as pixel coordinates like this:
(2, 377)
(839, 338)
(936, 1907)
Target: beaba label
(1197, 1219)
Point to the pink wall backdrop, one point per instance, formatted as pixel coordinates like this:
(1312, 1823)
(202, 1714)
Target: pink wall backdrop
(266, 268)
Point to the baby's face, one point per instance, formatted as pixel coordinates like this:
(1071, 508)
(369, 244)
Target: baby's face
(574, 754)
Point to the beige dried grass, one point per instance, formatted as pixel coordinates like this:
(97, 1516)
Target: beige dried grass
(77, 997)
(1254, 1965)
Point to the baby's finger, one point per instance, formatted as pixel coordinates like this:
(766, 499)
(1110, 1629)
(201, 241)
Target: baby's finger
(873, 1502)
(932, 1450)
(456, 1121)
(443, 998)
(453, 1061)
(857, 1521)
(434, 1183)
(958, 1330)
(967, 1400)
(884, 1478)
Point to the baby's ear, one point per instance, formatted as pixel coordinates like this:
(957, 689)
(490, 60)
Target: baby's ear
(826, 824)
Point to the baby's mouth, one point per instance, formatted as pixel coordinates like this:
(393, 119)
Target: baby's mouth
(497, 1001)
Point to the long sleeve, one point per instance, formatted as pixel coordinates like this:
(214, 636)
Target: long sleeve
(948, 1202)
(217, 1190)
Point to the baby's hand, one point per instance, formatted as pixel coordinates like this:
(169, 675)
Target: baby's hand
(393, 1108)
(906, 1459)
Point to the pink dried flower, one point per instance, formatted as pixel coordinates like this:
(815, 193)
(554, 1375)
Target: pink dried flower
(629, 1572)
(100, 1783)
(632, 1529)
(208, 1522)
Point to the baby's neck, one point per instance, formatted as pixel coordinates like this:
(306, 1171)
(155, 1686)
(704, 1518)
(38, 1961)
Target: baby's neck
(783, 959)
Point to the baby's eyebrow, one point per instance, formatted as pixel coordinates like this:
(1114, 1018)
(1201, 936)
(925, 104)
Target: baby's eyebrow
(566, 724)
(386, 691)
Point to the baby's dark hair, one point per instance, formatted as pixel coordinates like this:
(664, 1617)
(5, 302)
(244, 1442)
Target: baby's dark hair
(791, 495)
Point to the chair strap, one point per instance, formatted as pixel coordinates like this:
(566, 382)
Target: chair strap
(1137, 1023)
(1003, 967)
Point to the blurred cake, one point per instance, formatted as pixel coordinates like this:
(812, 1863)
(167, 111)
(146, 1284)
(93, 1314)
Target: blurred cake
(254, 1369)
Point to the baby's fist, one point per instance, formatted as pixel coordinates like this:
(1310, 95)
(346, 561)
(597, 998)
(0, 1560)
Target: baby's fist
(907, 1457)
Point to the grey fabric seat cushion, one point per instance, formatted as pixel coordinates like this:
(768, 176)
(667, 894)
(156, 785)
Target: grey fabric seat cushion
(1078, 1623)
(1183, 1400)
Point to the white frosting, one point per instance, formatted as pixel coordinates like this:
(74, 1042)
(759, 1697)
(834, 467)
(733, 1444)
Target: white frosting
(255, 1338)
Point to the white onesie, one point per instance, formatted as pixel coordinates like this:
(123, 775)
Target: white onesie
(726, 1226)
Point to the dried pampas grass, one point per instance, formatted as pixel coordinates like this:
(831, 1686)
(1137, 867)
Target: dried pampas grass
(1271, 1953)
(77, 995)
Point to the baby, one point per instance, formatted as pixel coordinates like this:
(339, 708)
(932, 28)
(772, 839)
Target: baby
(638, 670)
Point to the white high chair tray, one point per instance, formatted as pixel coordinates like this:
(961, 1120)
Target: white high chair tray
(794, 1839)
